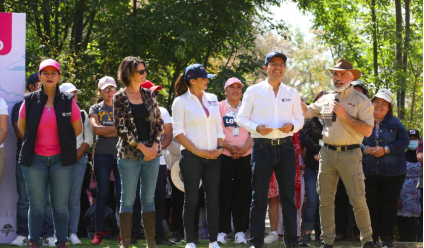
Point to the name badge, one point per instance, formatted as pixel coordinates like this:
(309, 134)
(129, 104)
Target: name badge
(236, 131)
(213, 103)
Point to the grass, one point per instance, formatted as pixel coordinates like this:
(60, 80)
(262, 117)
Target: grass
(204, 243)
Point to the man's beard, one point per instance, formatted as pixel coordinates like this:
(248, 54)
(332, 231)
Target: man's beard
(340, 88)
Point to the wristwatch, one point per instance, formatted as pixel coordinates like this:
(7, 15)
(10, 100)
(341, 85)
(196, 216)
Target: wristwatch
(386, 150)
(218, 147)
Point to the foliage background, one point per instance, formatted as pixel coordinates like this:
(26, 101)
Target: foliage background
(383, 38)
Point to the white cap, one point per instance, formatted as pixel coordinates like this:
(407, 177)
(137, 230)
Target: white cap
(385, 94)
(105, 82)
(68, 87)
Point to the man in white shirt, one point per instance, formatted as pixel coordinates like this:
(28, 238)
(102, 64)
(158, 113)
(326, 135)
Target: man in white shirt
(272, 112)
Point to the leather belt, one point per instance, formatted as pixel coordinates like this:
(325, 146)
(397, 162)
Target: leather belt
(273, 142)
(342, 148)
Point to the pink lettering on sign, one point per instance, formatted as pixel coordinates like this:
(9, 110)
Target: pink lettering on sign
(5, 33)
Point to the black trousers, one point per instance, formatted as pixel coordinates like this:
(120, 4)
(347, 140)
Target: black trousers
(235, 193)
(407, 228)
(382, 193)
(160, 194)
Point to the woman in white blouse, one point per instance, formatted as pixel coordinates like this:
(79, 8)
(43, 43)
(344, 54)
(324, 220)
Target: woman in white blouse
(197, 127)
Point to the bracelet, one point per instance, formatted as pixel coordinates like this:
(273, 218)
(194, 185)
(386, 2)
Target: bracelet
(386, 150)
(365, 149)
(218, 147)
(194, 149)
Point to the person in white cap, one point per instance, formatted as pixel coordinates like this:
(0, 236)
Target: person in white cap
(101, 119)
(236, 173)
(84, 142)
(384, 165)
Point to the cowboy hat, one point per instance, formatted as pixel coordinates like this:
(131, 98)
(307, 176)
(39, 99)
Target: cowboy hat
(177, 177)
(344, 65)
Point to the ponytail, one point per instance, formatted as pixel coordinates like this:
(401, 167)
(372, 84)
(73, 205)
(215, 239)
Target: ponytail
(181, 85)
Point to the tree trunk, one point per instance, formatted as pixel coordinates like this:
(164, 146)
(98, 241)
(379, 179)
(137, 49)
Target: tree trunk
(374, 41)
(399, 63)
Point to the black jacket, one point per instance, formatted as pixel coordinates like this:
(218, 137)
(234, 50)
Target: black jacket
(109, 221)
(310, 135)
(34, 106)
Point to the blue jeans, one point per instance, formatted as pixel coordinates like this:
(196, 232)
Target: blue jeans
(103, 165)
(47, 171)
(78, 173)
(194, 168)
(133, 171)
(265, 159)
(23, 207)
(312, 199)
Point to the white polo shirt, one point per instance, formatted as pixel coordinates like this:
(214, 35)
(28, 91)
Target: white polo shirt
(261, 106)
(190, 118)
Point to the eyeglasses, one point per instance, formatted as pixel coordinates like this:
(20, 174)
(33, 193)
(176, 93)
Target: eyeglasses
(142, 71)
(111, 89)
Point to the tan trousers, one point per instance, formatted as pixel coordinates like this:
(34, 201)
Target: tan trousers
(347, 165)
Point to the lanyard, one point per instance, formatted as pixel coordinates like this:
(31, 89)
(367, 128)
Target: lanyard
(231, 109)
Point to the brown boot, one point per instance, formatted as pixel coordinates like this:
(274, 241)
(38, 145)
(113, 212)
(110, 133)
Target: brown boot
(149, 222)
(125, 220)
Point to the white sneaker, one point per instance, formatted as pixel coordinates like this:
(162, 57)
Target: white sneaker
(20, 241)
(240, 238)
(222, 238)
(214, 245)
(190, 245)
(271, 238)
(74, 239)
(49, 242)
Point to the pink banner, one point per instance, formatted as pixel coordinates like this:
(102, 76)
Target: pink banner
(12, 89)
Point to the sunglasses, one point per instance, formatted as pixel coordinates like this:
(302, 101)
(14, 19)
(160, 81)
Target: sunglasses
(142, 71)
(111, 89)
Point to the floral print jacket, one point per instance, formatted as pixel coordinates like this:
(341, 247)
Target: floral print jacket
(125, 126)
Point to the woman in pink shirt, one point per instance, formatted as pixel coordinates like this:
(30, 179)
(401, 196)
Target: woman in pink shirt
(50, 120)
(236, 174)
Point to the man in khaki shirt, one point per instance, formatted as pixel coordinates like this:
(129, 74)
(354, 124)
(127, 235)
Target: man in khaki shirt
(341, 155)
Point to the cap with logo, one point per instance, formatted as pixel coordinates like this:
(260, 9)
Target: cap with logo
(233, 80)
(68, 87)
(151, 86)
(196, 71)
(105, 82)
(274, 54)
(47, 63)
(384, 94)
(414, 132)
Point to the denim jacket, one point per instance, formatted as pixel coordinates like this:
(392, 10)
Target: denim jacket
(393, 134)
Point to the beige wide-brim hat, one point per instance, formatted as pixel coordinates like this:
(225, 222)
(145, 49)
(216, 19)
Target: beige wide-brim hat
(177, 177)
(344, 65)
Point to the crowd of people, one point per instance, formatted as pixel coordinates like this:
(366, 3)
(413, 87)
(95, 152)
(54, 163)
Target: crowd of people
(343, 167)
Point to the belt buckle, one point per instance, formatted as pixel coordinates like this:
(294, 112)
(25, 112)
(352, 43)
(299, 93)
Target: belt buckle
(277, 142)
(338, 148)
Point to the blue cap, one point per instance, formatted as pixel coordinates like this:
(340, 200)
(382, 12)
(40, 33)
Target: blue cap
(32, 79)
(196, 71)
(271, 55)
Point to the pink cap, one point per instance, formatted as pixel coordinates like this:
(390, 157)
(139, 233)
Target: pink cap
(149, 85)
(47, 63)
(232, 81)
(105, 82)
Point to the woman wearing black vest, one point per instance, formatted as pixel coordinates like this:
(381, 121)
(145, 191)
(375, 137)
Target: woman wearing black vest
(50, 120)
